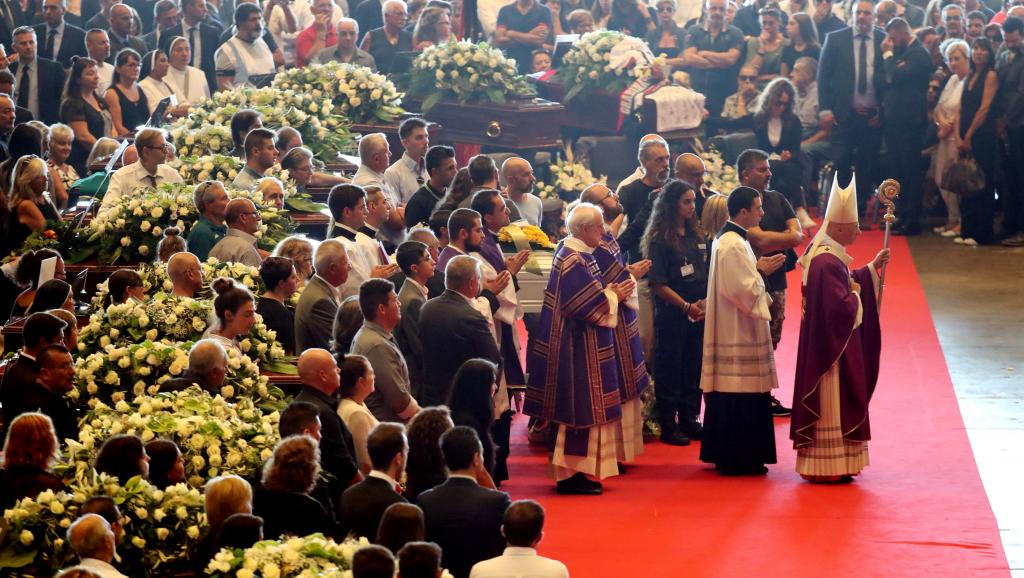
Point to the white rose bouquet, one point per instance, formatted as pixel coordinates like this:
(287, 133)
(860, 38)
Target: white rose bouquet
(310, 556)
(210, 139)
(357, 92)
(589, 64)
(162, 527)
(197, 168)
(467, 72)
(569, 179)
(718, 176)
(131, 230)
(216, 436)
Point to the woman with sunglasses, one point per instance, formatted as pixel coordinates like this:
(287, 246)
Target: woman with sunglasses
(668, 38)
(29, 205)
(778, 132)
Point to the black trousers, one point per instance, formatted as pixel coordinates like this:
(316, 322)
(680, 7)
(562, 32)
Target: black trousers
(856, 143)
(977, 211)
(903, 145)
(679, 350)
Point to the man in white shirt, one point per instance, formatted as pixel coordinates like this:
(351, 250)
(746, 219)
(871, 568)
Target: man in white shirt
(348, 207)
(409, 172)
(260, 155)
(150, 171)
(239, 244)
(374, 158)
(523, 528)
(245, 55)
(92, 539)
(519, 181)
(97, 44)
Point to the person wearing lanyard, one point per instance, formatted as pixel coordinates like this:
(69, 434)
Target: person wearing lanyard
(678, 277)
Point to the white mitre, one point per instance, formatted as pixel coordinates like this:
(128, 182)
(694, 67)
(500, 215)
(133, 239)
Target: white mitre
(842, 208)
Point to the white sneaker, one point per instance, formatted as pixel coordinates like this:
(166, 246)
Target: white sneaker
(954, 232)
(805, 220)
(969, 242)
(940, 229)
(959, 240)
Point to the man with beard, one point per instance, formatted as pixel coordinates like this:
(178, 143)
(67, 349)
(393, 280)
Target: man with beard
(637, 198)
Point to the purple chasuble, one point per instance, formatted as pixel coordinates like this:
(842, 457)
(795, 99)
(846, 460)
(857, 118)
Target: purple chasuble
(826, 335)
(446, 254)
(573, 370)
(633, 378)
(491, 252)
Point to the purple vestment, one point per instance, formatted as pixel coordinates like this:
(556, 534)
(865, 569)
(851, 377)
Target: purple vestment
(633, 378)
(827, 334)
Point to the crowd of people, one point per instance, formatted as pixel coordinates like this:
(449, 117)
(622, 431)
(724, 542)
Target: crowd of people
(405, 331)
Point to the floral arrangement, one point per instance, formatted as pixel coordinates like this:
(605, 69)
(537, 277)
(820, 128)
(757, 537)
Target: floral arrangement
(139, 369)
(155, 279)
(133, 227)
(354, 91)
(162, 527)
(323, 129)
(207, 167)
(308, 557)
(569, 179)
(718, 176)
(216, 436)
(208, 139)
(538, 238)
(170, 319)
(589, 64)
(467, 72)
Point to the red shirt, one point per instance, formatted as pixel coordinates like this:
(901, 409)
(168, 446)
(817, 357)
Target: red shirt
(304, 42)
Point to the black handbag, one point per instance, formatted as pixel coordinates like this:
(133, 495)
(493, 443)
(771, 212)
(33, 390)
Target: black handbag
(964, 177)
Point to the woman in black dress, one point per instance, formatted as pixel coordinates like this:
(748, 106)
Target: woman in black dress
(84, 111)
(803, 41)
(127, 101)
(280, 279)
(472, 388)
(29, 208)
(976, 127)
(668, 38)
(675, 244)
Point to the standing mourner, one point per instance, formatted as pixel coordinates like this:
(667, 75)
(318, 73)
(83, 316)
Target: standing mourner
(738, 372)
(840, 344)
(573, 379)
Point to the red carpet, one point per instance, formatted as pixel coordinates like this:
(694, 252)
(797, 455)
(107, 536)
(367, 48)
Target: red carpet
(919, 509)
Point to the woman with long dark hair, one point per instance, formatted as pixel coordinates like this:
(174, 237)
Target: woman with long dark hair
(778, 131)
(676, 246)
(84, 111)
(235, 310)
(668, 38)
(803, 41)
(631, 18)
(473, 386)
(976, 127)
(764, 52)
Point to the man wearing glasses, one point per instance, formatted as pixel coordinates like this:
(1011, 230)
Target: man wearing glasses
(239, 244)
(149, 172)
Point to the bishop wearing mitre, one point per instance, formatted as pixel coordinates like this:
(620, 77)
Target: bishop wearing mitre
(840, 343)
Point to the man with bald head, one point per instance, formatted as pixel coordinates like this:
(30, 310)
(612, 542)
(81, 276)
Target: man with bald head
(186, 274)
(92, 539)
(320, 382)
(120, 31)
(346, 50)
(690, 168)
(519, 181)
(239, 244)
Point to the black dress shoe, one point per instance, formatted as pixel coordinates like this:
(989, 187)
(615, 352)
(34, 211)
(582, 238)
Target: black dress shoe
(779, 410)
(579, 485)
(693, 430)
(674, 438)
(622, 468)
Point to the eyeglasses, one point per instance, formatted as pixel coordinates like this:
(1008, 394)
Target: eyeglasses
(748, 78)
(667, 8)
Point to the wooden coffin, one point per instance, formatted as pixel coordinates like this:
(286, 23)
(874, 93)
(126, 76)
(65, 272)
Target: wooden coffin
(596, 113)
(522, 124)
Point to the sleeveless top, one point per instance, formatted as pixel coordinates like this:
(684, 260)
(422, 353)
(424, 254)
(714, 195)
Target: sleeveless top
(970, 103)
(17, 231)
(384, 52)
(133, 114)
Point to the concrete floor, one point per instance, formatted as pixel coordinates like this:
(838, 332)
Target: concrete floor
(975, 299)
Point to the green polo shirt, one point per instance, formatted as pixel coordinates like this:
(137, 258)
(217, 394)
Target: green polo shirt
(203, 236)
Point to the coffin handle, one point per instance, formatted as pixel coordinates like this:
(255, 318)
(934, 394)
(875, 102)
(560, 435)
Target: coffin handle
(493, 129)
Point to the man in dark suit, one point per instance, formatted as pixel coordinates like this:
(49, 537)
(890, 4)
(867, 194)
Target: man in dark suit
(461, 516)
(59, 40)
(40, 81)
(418, 268)
(120, 32)
(452, 331)
(41, 330)
(46, 394)
(203, 38)
(166, 25)
(908, 67)
(318, 304)
(7, 114)
(851, 84)
(363, 505)
(320, 382)
(101, 19)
